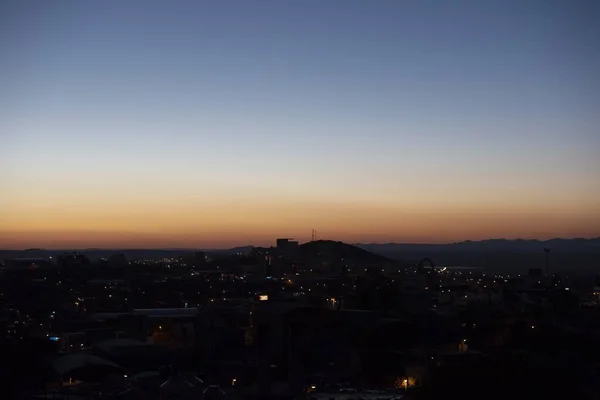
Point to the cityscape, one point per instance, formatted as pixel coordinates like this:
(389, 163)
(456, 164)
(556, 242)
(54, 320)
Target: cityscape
(316, 199)
(318, 320)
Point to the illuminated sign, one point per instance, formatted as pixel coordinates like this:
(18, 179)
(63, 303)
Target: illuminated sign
(263, 297)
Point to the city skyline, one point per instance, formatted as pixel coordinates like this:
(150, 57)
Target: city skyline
(72, 246)
(149, 124)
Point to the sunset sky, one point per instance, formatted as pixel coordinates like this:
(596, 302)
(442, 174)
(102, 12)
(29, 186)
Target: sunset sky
(215, 124)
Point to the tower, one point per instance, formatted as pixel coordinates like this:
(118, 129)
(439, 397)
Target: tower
(547, 252)
(268, 267)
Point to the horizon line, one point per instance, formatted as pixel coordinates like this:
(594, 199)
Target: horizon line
(250, 245)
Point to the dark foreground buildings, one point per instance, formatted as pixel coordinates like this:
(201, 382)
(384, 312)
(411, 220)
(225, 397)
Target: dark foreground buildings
(319, 320)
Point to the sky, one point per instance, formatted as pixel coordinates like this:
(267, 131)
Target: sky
(213, 124)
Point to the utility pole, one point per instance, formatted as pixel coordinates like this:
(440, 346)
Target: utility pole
(547, 252)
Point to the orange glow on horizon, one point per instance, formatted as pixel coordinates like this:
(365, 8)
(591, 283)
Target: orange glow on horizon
(212, 224)
(132, 127)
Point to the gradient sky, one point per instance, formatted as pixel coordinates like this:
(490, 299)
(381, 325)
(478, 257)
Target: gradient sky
(211, 124)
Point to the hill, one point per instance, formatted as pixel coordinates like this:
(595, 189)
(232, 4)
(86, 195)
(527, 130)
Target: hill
(500, 254)
(572, 245)
(332, 251)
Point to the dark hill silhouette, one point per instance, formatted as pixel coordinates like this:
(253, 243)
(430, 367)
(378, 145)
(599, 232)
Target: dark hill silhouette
(500, 254)
(333, 251)
(577, 244)
(569, 254)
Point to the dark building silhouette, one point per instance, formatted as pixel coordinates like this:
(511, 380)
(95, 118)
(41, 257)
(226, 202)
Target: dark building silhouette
(286, 246)
(28, 263)
(72, 260)
(118, 260)
(535, 272)
(268, 267)
(199, 259)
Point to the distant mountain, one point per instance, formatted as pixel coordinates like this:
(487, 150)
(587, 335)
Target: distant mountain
(499, 254)
(518, 245)
(323, 249)
(130, 254)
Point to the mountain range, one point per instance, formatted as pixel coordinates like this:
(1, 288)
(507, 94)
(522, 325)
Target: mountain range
(577, 244)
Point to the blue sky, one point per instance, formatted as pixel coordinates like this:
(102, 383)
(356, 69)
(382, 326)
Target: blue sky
(353, 101)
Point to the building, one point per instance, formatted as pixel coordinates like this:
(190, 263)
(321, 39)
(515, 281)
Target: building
(268, 267)
(199, 259)
(286, 246)
(28, 264)
(118, 261)
(72, 260)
